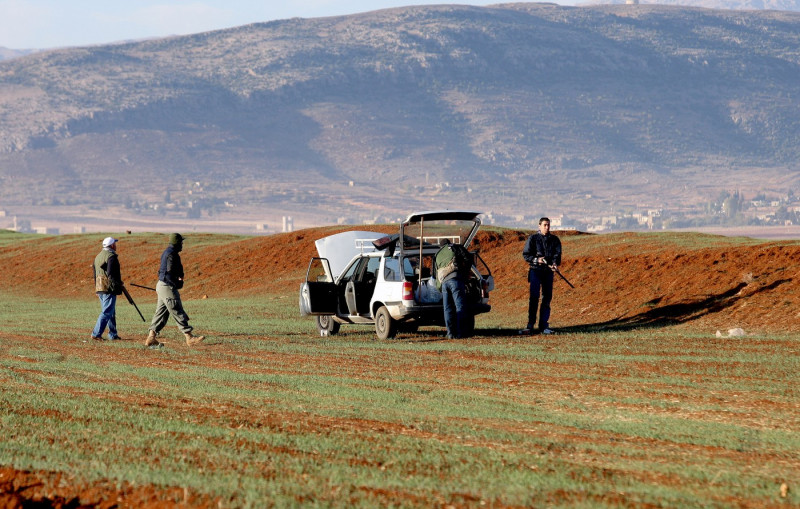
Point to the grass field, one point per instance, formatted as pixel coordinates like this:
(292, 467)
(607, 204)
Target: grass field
(635, 403)
(267, 413)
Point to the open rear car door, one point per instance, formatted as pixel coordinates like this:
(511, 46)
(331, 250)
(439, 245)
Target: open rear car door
(318, 292)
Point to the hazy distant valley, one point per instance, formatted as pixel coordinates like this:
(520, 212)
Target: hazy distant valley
(651, 115)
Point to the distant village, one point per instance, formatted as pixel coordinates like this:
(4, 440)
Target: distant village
(729, 210)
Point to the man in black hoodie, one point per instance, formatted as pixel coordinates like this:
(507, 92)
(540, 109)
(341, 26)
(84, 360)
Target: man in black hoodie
(543, 253)
(170, 280)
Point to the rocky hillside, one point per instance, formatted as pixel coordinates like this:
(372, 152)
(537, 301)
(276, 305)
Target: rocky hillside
(511, 107)
(773, 5)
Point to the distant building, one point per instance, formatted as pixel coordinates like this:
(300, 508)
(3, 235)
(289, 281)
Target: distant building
(288, 224)
(22, 225)
(45, 230)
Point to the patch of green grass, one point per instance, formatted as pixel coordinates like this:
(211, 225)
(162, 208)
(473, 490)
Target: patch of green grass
(269, 413)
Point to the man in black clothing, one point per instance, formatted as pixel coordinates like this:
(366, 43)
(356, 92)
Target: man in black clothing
(543, 254)
(170, 280)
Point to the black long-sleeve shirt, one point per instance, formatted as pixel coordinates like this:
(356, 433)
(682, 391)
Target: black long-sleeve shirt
(538, 246)
(171, 269)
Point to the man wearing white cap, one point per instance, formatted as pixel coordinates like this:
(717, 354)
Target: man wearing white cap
(107, 285)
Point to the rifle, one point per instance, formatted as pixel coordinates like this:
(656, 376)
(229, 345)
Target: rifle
(145, 287)
(554, 269)
(130, 299)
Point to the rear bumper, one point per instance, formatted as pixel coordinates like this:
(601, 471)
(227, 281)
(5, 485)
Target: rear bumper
(431, 313)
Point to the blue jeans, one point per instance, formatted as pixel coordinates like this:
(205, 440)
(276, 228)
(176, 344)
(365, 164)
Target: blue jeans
(454, 298)
(108, 316)
(541, 281)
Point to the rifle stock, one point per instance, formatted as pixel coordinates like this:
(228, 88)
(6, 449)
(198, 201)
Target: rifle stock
(130, 299)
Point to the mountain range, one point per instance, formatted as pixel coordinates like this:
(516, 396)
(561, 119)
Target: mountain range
(515, 109)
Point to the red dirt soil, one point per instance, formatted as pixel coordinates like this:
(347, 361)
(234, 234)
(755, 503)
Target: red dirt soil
(621, 281)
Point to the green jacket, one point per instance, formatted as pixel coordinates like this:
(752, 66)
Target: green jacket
(107, 278)
(447, 266)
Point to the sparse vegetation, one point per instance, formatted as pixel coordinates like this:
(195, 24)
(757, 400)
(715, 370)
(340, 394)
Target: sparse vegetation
(645, 106)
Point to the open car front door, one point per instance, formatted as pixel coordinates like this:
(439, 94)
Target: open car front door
(318, 292)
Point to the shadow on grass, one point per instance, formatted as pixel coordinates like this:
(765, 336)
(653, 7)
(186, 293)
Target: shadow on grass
(654, 317)
(674, 314)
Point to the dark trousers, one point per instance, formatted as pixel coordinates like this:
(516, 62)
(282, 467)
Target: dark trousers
(541, 281)
(454, 298)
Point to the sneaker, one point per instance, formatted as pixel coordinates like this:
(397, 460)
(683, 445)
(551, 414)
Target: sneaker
(97, 338)
(527, 331)
(548, 331)
(115, 338)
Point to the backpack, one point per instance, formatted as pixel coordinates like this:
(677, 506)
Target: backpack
(460, 261)
(461, 258)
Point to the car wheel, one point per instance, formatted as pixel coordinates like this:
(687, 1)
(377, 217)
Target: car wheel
(385, 326)
(327, 326)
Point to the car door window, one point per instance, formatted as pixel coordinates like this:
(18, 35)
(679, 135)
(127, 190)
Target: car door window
(391, 270)
(371, 272)
(348, 273)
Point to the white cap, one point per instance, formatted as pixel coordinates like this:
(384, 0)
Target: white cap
(108, 241)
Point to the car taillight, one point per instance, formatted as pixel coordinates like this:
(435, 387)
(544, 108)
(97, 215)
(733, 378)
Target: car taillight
(485, 289)
(408, 291)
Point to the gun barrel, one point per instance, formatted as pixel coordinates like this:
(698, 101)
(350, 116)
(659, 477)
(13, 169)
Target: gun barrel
(562, 277)
(145, 287)
(130, 299)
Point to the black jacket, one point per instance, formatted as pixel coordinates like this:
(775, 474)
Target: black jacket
(171, 270)
(547, 246)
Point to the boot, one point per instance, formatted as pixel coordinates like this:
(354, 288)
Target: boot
(191, 339)
(151, 341)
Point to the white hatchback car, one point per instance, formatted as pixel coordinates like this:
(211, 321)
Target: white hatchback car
(364, 277)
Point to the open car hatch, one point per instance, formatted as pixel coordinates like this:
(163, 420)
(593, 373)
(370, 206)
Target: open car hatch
(433, 227)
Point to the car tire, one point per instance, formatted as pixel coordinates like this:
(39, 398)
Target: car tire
(385, 325)
(327, 326)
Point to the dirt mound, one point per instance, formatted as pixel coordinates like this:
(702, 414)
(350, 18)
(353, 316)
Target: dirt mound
(621, 280)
